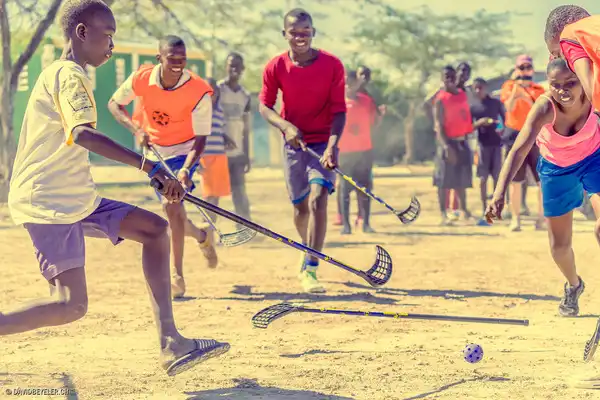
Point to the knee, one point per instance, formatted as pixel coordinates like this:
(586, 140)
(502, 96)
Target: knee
(155, 228)
(559, 248)
(318, 201)
(301, 210)
(73, 305)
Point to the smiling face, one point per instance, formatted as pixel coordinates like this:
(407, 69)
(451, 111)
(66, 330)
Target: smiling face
(564, 86)
(299, 34)
(96, 38)
(173, 60)
(480, 90)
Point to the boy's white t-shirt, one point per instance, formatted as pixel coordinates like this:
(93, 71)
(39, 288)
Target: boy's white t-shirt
(51, 181)
(234, 105)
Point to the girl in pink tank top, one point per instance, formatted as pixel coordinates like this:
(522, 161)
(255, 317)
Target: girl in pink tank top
(565, 127)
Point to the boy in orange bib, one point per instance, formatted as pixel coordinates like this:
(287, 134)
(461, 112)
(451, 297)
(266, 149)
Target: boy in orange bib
(175, 116)
(574, 35)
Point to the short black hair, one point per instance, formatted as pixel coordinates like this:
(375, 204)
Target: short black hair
(235, 54)
(448, 68)
(464, 64)
(480, 80)
(170, 41)
(75, 12)
(560, 17)
(557, 63)
(299, 14)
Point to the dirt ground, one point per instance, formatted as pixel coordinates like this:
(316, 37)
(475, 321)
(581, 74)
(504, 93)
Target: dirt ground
(462, 270)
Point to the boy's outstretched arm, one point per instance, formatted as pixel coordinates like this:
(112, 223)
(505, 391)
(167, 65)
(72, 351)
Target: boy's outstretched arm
(585, 73)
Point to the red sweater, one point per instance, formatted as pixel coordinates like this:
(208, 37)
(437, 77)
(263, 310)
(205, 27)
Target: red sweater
(311, 95)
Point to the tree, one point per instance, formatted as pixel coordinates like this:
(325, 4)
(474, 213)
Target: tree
(10, 78)
(414, 45)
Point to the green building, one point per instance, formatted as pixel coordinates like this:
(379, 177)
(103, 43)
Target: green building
(127, 57)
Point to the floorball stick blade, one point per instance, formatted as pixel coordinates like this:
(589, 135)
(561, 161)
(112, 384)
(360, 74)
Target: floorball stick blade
(411, 213)
(264, 317)
(237, 238)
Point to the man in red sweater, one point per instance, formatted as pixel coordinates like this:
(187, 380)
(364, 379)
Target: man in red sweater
(313, 115)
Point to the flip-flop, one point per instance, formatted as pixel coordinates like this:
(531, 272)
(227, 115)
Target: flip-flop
(205, 349)
(592, 344)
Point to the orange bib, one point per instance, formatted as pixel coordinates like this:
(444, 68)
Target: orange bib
(586, 32)
(166, 115)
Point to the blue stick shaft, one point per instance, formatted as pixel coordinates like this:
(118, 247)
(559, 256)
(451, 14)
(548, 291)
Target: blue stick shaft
(417, 316)
(267, 232)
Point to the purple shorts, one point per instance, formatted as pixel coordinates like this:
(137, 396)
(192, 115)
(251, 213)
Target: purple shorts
(301, 170)
(61, 247)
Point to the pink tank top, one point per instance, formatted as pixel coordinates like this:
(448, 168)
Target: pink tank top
(565, 151)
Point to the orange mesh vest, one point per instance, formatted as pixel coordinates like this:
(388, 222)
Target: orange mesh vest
(586, 32)
(166, 115)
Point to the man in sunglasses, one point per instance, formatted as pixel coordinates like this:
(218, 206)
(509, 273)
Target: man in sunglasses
(518, 95)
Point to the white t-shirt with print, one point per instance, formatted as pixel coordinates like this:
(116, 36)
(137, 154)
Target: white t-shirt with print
(51, 181)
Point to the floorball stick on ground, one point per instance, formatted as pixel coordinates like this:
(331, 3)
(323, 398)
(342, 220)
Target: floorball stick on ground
(263, 318)
(406, 216)
(377, 275)
(232, 239)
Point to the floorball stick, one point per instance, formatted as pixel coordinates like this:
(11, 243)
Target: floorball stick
(263, 318)
(228, 239)
(377, 275)
(406, 216)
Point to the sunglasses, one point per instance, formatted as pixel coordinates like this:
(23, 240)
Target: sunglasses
(525, 67)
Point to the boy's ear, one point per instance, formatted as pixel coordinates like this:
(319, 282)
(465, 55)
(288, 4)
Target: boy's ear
(158, 57)
(314, 32)
(81, 31)
(283, 32)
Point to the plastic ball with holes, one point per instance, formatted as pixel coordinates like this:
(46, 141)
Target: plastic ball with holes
(473, 353)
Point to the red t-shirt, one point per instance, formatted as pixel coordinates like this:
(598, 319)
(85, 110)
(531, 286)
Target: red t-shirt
(457, 113)
(572, 52)
(311, 95)
(360, 117)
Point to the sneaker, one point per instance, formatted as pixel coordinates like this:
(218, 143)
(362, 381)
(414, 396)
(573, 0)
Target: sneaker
(310, 284)
(483, 222)
(592, 344)
(368, 229)
(453, 215)
(569, 305)
(208, 249)
(346, 230)
(515, 226)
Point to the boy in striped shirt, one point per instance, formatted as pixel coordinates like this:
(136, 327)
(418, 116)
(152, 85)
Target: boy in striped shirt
(215, 167)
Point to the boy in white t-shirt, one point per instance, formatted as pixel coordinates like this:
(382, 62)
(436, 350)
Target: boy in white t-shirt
(53, 195)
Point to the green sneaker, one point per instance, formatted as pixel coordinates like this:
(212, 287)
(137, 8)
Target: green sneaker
(310, 284)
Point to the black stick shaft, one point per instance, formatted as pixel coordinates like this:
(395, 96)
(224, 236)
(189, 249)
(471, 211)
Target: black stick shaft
(434, 317)
(267, 232)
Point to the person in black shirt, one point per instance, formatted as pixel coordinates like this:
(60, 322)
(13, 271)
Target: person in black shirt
(488, 119)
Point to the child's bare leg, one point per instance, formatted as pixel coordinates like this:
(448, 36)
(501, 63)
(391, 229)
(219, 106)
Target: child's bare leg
(177, 222)
(68, 304)
(595, 201)
(541, 221)
(151, 231)
(516, 189)
(214, 201)
(560, 233)
(317, 225)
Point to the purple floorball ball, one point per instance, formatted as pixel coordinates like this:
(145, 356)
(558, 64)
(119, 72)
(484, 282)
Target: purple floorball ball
(473, 353)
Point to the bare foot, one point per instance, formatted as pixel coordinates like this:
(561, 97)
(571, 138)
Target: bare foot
(208, 249)
(177, 286)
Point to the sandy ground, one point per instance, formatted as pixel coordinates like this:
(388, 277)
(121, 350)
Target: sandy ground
(462, 270)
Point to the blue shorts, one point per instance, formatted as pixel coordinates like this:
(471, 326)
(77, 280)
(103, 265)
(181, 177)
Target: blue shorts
(301, 170)
(176, 163)
(562, 187)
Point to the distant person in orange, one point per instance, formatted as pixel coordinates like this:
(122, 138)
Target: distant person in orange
(175, 117)
(574, 35)
(518, 95)
(356, 155)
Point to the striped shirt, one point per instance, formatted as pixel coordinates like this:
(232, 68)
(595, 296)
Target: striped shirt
(215, 143)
